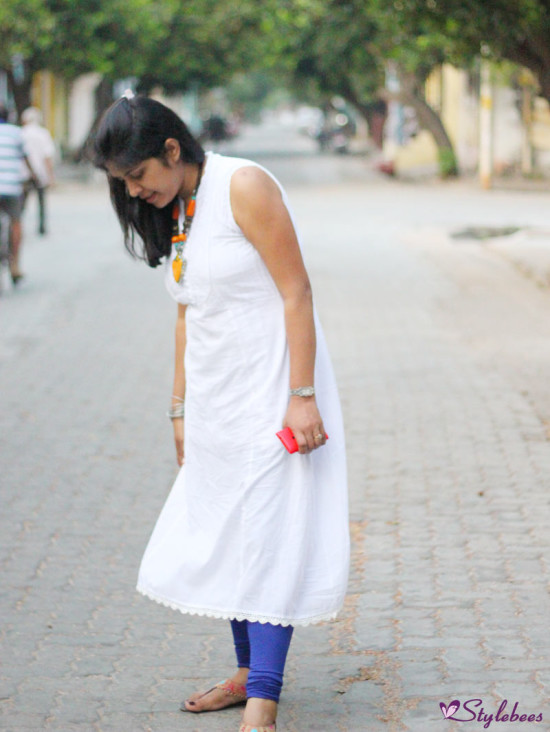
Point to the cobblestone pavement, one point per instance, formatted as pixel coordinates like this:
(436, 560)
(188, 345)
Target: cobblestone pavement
(442, 351)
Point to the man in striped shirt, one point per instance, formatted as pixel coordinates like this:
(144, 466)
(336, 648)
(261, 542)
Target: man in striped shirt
(12, 157)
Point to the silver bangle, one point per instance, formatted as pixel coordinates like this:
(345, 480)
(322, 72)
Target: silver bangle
(303, 391)
(176, 412)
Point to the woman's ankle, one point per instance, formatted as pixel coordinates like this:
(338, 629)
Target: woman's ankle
(241, 676)
(261, 712)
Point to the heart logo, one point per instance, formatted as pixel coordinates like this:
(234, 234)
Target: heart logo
(449, 710)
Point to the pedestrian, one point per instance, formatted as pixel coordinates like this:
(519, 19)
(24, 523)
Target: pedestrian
(40, 150)
(12, 161)
(250, 533)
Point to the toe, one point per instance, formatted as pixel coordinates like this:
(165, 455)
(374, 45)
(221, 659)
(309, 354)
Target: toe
(194, 697)
(209, 701)
(205, 701)
(191, 703)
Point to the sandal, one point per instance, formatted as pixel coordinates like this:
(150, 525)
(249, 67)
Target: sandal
(252, 728)
(237, 691)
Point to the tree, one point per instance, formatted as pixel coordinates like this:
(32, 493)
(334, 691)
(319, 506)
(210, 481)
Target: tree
(203, 44)
(26, 31)
(415, 49)
(71, 37)
(516, 30)
(247, 93)
(344, 47)
(322, 49)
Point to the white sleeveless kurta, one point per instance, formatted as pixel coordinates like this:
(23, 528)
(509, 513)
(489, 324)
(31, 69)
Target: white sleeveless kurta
(248, 530)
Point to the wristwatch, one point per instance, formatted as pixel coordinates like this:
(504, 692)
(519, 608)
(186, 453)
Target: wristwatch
(303, 391)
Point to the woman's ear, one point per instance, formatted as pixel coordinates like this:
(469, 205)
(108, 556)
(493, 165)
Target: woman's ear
(172, 150)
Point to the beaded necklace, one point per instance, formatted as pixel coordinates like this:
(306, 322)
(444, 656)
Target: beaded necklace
(179, 263)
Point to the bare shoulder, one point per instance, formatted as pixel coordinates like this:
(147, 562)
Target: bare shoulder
(251, 181)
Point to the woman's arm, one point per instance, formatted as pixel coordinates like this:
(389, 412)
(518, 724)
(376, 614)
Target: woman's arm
(260, 212)
(178, 392)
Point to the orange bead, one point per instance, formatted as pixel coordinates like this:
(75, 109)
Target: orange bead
(191, 208)
(176, 211)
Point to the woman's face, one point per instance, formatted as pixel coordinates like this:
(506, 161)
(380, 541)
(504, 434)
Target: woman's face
(155, 181)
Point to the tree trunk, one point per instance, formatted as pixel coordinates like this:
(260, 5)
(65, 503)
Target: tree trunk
(534, 54)
(103, 98)
(544, 80)
(20, 87)
(375, 113)
(542, 73)
(412, 94)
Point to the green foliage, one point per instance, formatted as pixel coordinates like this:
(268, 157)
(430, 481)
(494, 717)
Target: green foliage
(324, 47)
(204, 43)
(26, 28)
(334, 43)
(515, 30)
(448, 166)
(164, 42)
(321, 47)
(71, 37)
(247, 93)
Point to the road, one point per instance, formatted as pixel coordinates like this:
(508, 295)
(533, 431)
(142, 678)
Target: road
(441, 349)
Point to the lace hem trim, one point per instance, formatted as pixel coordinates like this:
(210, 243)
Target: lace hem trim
(253, 618)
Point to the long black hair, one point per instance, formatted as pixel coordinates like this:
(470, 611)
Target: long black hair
(131, 131)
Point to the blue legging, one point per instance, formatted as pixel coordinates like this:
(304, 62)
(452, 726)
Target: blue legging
(262, 648)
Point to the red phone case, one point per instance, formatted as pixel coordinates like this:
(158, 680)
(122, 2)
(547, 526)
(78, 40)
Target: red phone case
(289, 441)
(287, 438)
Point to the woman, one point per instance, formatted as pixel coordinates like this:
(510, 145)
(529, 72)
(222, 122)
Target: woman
(250, 532)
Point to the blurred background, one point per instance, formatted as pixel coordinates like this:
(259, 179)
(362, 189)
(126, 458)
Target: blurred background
(421, 87)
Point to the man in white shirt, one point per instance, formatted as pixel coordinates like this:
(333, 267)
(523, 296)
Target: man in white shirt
(40, 150)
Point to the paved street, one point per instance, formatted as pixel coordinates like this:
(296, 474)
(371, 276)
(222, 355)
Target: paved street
(441, 348)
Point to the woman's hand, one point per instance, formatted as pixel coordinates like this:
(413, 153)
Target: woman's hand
(303, 418)
(177, 424)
